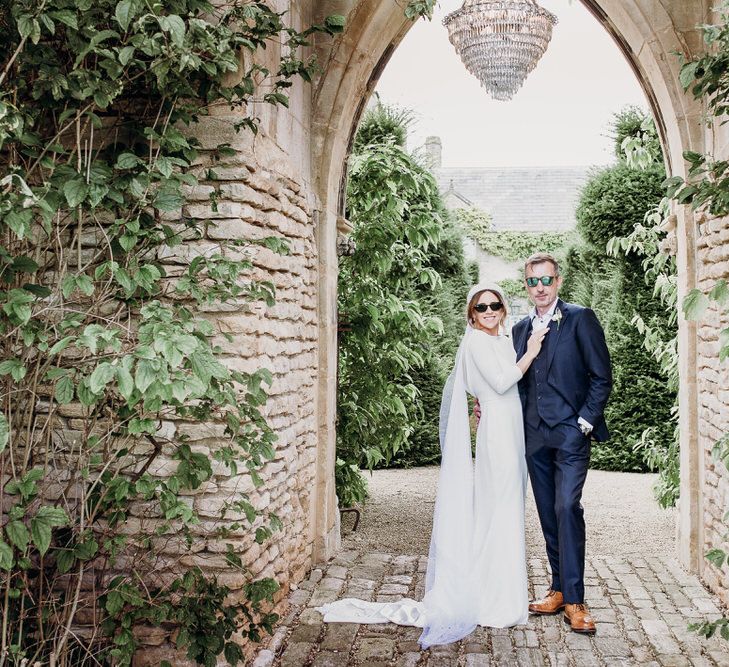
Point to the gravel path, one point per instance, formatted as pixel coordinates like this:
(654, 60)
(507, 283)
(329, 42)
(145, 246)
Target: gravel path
(621, 514)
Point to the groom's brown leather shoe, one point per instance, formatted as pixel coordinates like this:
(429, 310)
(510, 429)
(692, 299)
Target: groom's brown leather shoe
(578, 618)
(551, 604)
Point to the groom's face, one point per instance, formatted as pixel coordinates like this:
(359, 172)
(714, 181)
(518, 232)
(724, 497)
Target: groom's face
(542, 295)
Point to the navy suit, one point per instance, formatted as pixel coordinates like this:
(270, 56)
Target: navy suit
(570, 378)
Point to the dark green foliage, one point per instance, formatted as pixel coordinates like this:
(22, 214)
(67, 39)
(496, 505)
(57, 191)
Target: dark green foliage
(631, 122)
(396, 213)
(381, 125)
(400, 296)
(447, 302)
(613, 202)
(615, 199)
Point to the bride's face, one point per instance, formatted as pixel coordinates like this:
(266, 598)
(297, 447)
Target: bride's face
(489, 319)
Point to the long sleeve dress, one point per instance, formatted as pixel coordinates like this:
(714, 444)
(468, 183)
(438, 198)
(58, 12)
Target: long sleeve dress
(477, 572)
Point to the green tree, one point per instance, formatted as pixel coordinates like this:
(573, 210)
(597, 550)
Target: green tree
(614, 203)
(399, 297)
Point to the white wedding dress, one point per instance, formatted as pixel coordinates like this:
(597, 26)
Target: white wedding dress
(477, 563)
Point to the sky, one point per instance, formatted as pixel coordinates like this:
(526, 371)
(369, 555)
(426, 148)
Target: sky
(560, 116)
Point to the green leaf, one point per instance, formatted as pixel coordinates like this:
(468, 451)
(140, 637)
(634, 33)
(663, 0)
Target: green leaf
(125, 55)
(127, 161)
(125, 382)
(6, 556)
(720, 292)
(41, 533)
(688, 74)
(17, 534)
(102, 375)
(64, 560)
(24, 264)
(174, 25)
(335, 22)
(29, 28)
(67, 17)
(75, 191)
(114, 602)
(123, 13)
(14, 368)
(53, 516)
(4, 432)
(717, 557)
(146, 374)
(61, 345)
(695, 304)
(168, 201)
(64, 391)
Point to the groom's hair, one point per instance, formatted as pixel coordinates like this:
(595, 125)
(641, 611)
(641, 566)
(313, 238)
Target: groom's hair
(540, 258)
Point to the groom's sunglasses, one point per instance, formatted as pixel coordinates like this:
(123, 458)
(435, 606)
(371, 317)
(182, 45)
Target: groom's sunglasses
(534, 281)
(483, 307)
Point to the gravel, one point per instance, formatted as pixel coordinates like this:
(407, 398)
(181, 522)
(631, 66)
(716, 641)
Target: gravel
(621, 514)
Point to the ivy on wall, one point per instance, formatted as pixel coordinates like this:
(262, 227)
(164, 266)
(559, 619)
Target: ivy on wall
(509, 245)
(97, 111)
(707, 187)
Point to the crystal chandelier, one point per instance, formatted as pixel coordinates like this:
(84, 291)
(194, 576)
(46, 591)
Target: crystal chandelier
(500, 41)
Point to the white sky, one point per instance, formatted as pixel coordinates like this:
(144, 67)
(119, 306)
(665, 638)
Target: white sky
(559, 117)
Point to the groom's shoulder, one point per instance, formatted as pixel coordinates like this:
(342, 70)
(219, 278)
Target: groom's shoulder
(523, 322)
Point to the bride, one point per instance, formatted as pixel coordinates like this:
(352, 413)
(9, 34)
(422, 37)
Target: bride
(476, 571)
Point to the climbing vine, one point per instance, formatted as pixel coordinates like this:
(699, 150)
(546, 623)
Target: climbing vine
(707, 188)
(509, 245)
(103, 347)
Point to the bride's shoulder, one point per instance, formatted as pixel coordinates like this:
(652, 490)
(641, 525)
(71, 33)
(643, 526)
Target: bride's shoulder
(482, 336)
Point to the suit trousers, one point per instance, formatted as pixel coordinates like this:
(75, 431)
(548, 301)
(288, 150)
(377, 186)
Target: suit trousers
(557, 460)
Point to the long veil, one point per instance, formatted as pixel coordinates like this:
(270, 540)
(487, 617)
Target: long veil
(451, 599)
(449, 596)
(449, 610)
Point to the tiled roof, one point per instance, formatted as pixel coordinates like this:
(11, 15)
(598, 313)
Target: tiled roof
(518, 198)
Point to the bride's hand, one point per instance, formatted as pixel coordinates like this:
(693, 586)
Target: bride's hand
(534, 344)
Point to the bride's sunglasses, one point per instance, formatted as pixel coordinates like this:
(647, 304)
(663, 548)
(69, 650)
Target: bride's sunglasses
(483, 307)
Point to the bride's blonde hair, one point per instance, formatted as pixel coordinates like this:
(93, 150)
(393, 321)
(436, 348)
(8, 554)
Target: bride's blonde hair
(470, 312)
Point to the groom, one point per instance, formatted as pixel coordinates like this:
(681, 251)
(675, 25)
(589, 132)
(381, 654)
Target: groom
(563, 396)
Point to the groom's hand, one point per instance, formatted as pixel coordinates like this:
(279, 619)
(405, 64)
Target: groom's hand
(477, 410)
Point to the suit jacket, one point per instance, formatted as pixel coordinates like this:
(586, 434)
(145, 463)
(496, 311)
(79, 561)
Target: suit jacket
(578, 363)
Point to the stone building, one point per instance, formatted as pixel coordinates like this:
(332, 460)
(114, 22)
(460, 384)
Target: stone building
(289, 181)
(550, 207)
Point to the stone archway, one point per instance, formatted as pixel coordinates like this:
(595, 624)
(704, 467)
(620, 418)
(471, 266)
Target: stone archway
(648, 32)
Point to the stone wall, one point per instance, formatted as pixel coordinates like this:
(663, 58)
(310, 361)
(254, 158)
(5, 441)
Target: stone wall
(713, 385)
(262, 190)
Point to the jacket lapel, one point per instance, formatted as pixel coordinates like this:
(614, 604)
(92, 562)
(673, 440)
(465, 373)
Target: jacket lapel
(523, 337)
(555, 330)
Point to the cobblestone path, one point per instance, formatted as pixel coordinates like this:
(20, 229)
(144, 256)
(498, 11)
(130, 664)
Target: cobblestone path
(642, 607)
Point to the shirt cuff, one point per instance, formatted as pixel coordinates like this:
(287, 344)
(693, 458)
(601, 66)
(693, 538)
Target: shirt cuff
(585, 423)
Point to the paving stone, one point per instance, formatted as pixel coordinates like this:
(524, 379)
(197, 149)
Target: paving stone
(296, 654)
(264, 658)
(306, 633)
(376, 648)
(642, 611)
(673, 660)
(331, 659)
(585, 658)
(612, 648)
(410, 659)
(529, 657)
(339, 636)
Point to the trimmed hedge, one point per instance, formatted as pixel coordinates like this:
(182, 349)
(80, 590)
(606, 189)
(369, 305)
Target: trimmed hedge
(613, 201)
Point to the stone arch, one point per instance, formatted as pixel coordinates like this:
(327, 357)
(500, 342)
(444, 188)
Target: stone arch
(648, 32)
